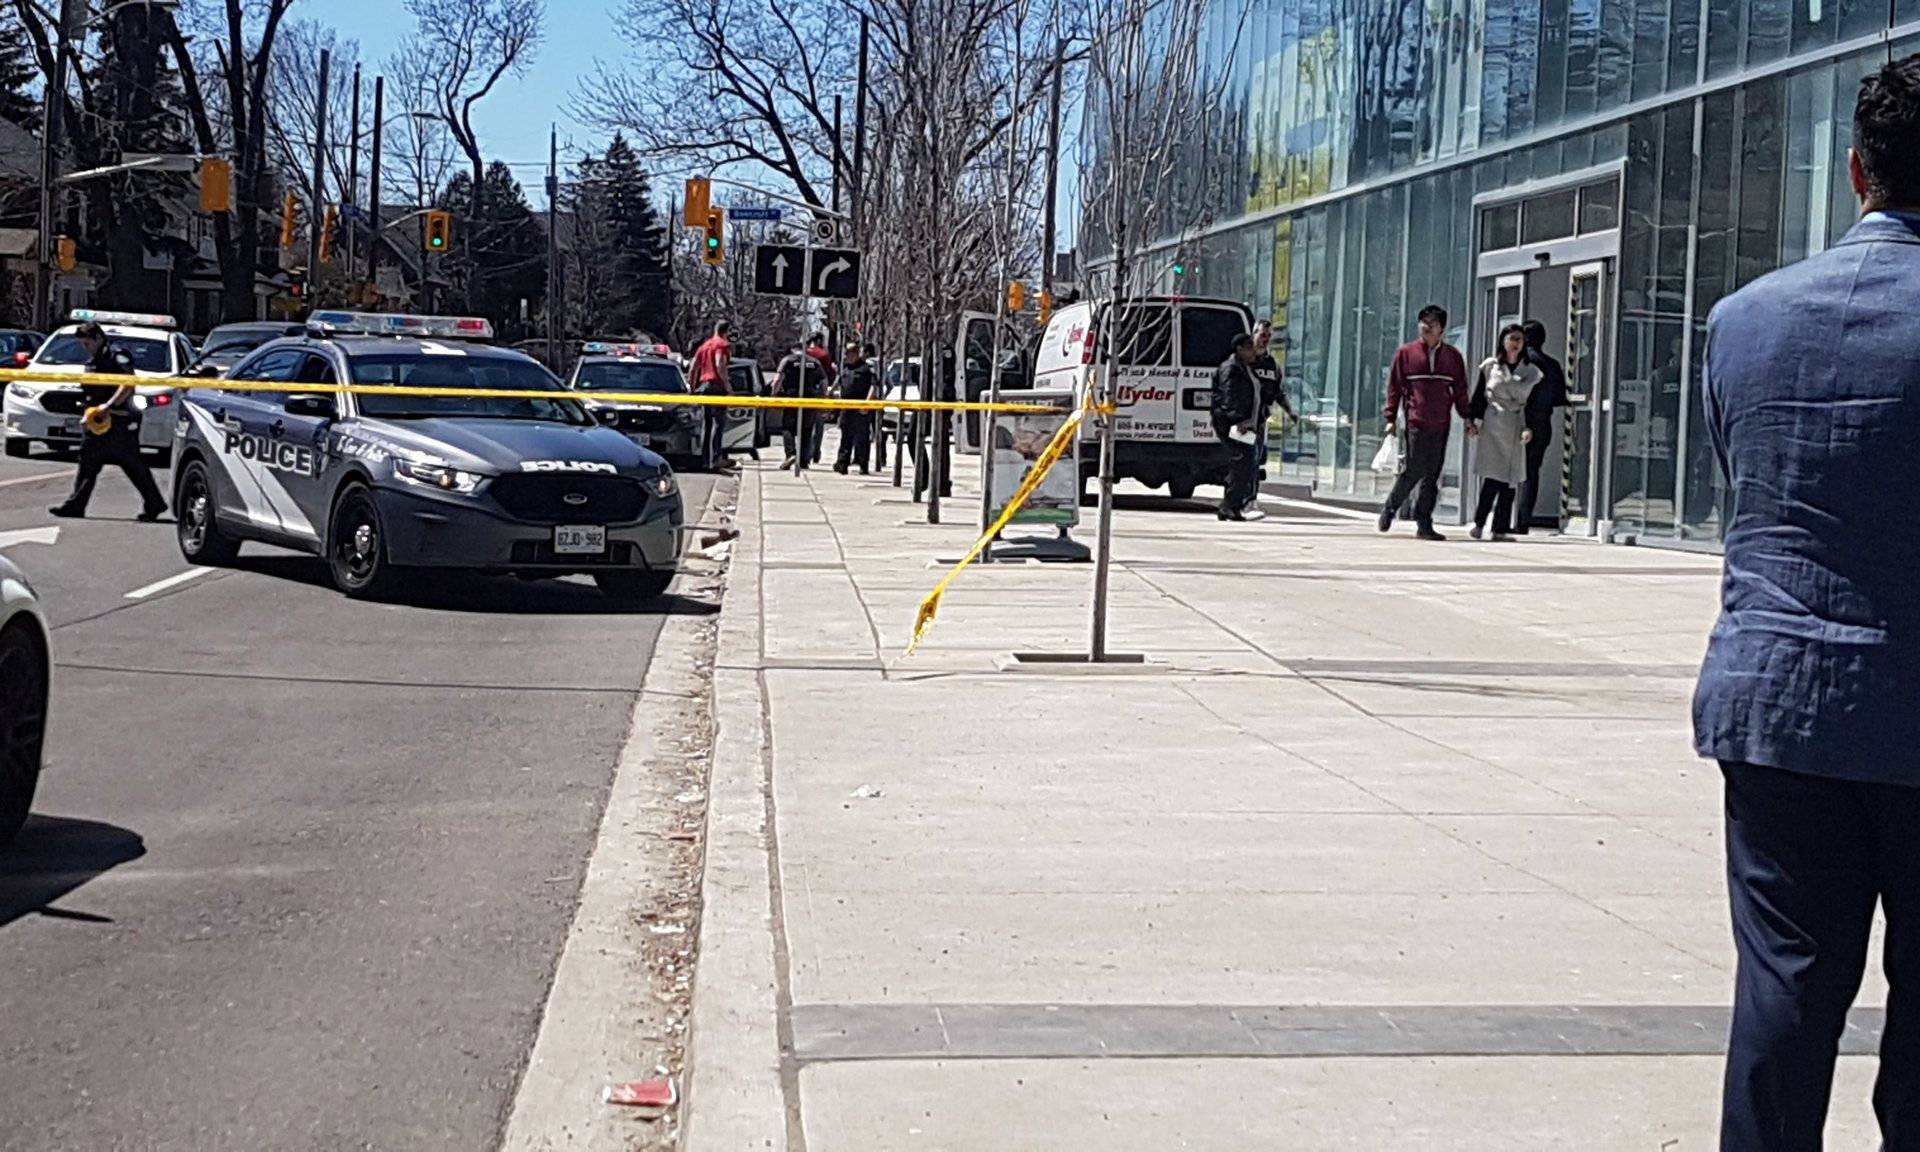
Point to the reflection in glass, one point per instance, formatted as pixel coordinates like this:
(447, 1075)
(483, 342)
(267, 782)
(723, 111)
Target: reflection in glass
(1599, 206)
(1809, 164)
(1550, 100)
(1583, 58)
(1547, 217)
(1712, 279)
(1649, 47)
(1500, 227)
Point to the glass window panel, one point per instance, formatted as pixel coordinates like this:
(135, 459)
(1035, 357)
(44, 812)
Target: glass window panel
(1701, 500)
(1762, 176)
(1669, 361)
(1616, 51)
(1550, 101)
(1347, 346)
(1524, 87)
(1583, 58)
(1815, 23)
(1600, 206)
(1650, 19)
(1860, 17)
(1809, 164)
(1683, 43)
(1547, 217)
(1635, 342)
(1500, 227)
(1474, 37)
(1144, 335)
(1769, 29)
(1497, 71)
(1843, 209)
(1726, 36)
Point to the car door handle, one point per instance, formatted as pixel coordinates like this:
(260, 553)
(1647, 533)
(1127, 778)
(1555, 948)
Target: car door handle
(278, 427)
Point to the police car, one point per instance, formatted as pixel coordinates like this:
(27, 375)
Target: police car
(380, 484)
(677, 431)
(51, 413)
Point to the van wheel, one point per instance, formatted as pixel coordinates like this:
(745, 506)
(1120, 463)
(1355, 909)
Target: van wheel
(1181, 489)
(23, 725)
(356, 547)
(197, 526)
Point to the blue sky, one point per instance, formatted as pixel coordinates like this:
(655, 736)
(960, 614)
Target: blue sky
(513, 122)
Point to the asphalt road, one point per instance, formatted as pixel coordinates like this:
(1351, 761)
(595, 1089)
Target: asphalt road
(301, 867)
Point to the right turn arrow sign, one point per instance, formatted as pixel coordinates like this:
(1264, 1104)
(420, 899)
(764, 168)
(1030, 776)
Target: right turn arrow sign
(835, 273)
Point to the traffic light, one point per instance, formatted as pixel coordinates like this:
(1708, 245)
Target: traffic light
(297, 284)
(1016, 296)
(1046, 307)
(699, 199)
(289, 219)
(327, 230)
(66, 254)
(713, 247)
(439, 231)
(216, 185)
(1179, 268)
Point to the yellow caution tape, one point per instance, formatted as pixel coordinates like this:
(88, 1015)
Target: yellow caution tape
(923, 620)
(183, 384)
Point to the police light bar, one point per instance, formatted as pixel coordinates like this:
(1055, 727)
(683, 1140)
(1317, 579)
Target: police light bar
(129, 319)
(401, 324)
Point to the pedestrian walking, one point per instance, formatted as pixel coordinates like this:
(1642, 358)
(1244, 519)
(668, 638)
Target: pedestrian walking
(1499, 412)
(799, 377)
(829, 375)
(1548, 397)
(112, 430)
(1811, 398)
(1425, 387)
(712, 376)
(856, 425)
(1273, 394)
(1236, 405)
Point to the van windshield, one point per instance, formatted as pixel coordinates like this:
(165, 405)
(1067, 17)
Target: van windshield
(1206, 335)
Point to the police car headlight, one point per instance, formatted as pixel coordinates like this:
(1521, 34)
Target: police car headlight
(663, 485)
(437, 476)
(21, 391)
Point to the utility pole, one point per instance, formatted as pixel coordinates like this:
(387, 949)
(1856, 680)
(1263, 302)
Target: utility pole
(553, 246)
(352, 195)
(53, 122)
(1048, 237)
(374, 231)
(319, 170)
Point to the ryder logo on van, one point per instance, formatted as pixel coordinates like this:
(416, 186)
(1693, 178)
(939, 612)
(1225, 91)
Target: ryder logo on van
(1126, 394)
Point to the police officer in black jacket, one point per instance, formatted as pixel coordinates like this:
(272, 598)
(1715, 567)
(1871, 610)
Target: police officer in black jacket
(1236, 405)
(119, 441)
(856, 424)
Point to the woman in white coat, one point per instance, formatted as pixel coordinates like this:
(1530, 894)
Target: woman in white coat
(1499, 410)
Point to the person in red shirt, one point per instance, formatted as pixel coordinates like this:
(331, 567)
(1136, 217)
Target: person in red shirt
(712, 366)
(1429, 381)
(817, 352)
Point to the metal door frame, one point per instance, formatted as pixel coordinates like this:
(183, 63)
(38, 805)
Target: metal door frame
(1599, 402)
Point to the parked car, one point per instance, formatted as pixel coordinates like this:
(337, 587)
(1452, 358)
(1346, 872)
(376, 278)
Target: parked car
(25, 671)
(17, 346)
(228, 344)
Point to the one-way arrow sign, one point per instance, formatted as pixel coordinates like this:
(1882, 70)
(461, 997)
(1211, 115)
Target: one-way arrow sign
(780, 270)
(835, 273)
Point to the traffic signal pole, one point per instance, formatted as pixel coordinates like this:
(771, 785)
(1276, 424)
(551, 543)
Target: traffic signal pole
(53, 140)
(374, 230)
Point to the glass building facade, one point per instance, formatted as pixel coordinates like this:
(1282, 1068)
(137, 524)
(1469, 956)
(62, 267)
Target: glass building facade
(1611, 168)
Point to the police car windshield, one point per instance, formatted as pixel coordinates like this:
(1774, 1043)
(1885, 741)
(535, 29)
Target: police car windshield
(148, 355)
(459, 370)
(629, 376)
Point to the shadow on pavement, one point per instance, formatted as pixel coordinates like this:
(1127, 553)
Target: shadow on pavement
(52, 856)
(502, 595)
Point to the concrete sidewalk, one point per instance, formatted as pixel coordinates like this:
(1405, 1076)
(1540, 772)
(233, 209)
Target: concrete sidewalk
(1390, 844)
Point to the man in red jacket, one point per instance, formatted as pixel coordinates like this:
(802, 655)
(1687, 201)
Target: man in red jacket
(1429, 381)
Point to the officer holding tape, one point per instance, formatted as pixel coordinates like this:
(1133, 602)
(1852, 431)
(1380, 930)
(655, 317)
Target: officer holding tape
(112, 431)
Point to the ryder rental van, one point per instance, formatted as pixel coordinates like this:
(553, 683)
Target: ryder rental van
(1164, 351)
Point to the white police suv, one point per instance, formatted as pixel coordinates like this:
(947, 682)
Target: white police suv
(528, 482)
(51, 413)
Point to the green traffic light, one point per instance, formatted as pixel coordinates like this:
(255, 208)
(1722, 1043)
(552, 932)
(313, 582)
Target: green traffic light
(1179, 269)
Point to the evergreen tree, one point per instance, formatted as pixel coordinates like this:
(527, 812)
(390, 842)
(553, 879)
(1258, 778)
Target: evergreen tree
(644, 273)
(19, 75)
(502, 258)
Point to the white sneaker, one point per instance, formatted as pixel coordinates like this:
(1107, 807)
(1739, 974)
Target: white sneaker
(1253, 512)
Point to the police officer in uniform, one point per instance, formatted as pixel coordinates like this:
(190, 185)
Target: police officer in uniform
(119, 441)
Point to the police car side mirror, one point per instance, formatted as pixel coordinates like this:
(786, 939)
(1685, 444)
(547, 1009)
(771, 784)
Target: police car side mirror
(321, 407)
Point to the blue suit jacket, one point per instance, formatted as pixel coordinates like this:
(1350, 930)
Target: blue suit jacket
(1812, 399)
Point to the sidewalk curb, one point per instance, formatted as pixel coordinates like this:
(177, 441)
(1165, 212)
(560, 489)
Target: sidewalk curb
(601, 1022)
(735, 1097)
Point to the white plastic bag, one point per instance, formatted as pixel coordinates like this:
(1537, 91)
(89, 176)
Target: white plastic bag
(1387, 460)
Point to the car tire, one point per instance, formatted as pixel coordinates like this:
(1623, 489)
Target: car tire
(634, 585)
(1181, 489)
(23, 723)
(196, 522)
(19, 447)
(357, 547)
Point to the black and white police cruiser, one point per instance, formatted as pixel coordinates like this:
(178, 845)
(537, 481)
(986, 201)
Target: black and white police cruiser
(382, 484)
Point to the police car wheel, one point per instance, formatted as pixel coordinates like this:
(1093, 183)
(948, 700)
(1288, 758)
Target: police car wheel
(645, 584)
(356, 549)
(23, 724)
(198, 529)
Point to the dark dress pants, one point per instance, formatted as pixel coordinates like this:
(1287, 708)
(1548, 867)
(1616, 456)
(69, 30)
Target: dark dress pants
(1530, 487)
(1807, 858)
(1243, 474)
(1420, 468)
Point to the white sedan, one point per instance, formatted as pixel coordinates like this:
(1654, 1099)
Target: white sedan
(51, 413)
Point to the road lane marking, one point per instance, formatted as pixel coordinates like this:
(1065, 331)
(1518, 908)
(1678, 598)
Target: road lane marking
(173, 581)
(36, 478)
(47, 535)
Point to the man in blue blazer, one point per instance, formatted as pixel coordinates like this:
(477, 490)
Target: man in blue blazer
(1810, 694)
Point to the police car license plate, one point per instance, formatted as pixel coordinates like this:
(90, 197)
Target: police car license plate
(579, 539)
(66, 428)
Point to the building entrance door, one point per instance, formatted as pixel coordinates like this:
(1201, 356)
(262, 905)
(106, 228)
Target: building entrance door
(1583, 467)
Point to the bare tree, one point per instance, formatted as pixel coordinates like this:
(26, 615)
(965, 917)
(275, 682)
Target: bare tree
(458, 53)
(293, 106)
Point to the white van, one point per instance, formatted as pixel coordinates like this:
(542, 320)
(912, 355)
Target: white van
(1165, 350)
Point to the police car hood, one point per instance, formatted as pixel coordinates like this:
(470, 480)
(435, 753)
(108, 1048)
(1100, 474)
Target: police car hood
(498, 447)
